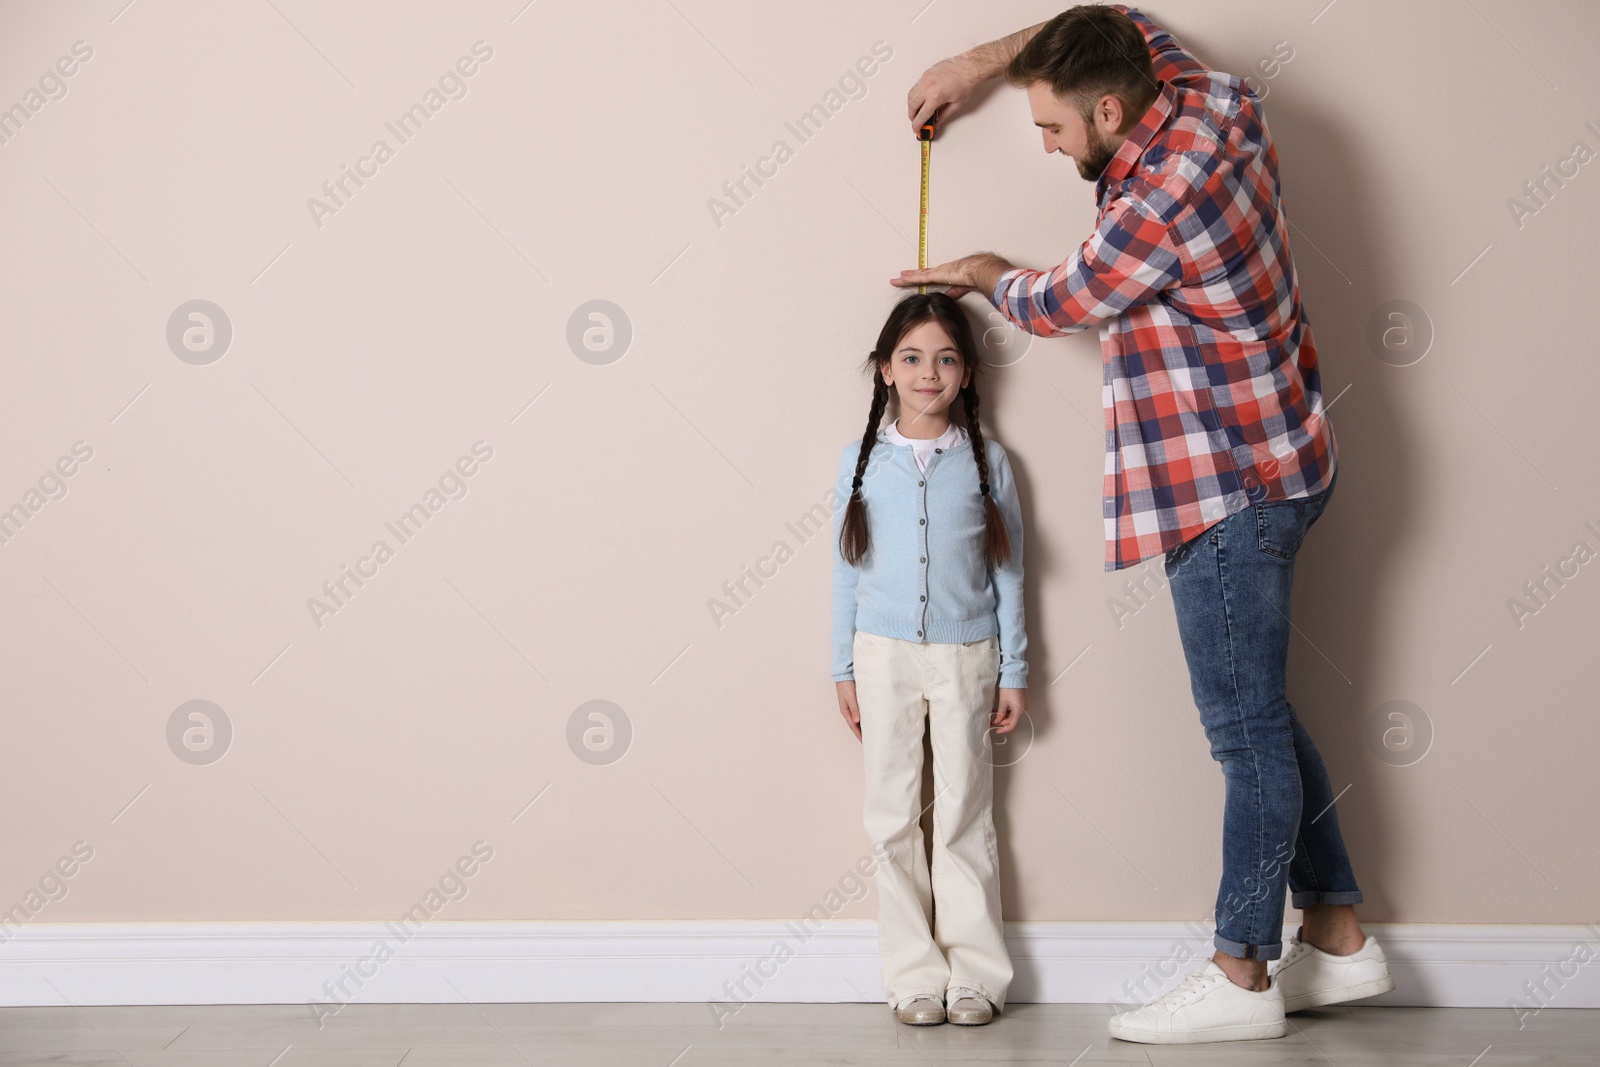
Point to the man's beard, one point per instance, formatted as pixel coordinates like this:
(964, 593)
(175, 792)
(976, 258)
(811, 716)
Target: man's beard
(1097, 155)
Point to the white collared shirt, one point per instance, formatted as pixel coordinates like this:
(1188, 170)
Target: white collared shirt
(923, 449)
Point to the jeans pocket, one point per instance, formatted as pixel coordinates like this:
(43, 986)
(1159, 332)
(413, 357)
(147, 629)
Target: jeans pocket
(1280, 527)
(990, 646)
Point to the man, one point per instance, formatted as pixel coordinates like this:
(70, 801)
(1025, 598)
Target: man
(1219, 456)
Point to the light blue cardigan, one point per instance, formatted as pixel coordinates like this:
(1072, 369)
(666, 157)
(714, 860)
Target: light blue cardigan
(924, 577)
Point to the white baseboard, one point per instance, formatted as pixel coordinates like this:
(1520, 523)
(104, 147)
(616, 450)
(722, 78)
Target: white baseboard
(1110, 963)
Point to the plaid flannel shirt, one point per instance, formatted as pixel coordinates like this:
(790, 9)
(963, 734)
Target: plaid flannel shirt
(1211, 392)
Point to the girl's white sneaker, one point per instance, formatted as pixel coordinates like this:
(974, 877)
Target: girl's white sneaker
(1312, 978)
(1205, 1006)
(922, 1009)
(967, 1007)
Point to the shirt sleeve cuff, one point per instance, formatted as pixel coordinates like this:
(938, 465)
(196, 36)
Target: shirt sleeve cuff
(998, 297)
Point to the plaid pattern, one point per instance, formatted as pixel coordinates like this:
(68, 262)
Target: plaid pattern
(1211, 393)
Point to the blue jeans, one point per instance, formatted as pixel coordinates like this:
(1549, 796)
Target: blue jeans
(1230, 589)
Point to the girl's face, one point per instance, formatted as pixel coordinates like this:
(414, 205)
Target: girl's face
(927, 372)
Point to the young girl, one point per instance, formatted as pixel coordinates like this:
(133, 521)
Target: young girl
(927, 612)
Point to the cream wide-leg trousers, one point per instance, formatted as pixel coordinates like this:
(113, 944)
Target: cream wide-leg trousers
(900, 685)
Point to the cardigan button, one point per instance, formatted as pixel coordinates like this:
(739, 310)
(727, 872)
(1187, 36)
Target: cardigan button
(923, 560)
(922, 483)
(922, 522)
(938, 450)
(922, 598)
(919, 633)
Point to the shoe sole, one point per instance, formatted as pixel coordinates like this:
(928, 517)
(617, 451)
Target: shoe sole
(1251, 1032)
(920, 1018)
(1323, 998)
(964, 1020)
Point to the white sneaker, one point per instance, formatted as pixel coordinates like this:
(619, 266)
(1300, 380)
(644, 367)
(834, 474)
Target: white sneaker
(1312, 978)
(920, 1009)
(1206, 1006)
(967, 1007)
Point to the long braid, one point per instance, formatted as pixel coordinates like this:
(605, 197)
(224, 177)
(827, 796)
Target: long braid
(996, 543)
(854, 536)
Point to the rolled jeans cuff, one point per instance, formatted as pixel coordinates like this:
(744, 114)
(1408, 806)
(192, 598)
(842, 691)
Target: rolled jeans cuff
(1318, 896)
(1248, 952)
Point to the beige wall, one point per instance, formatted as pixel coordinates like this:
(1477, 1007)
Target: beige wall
(369, 353)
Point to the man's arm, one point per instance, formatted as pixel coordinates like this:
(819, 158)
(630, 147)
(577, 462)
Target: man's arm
(990, 59)
(948, 83)
(1129, 259)
(1171, 60)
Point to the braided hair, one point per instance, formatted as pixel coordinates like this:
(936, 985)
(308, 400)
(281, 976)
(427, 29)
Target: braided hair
(912, 311)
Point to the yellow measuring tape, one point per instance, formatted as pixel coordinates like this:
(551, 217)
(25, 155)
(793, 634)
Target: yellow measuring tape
(925, 135)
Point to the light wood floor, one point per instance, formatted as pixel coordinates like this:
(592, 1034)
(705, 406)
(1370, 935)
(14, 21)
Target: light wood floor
(684, 1035)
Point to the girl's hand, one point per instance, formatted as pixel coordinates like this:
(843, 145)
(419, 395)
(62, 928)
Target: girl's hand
(848, 706)
(1010, 706)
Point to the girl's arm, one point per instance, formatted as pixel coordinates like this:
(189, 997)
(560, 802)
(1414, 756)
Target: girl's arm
(1008, 581)
(844, 602)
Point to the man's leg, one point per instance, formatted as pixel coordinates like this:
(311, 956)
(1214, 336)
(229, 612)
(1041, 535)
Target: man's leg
(1333, 960)
(1321, 883)
(1230, 588)
(1231, 591)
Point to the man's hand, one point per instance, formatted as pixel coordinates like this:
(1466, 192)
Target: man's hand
(947, 84)
(848, 706)
(1010, 706)
(979, 272)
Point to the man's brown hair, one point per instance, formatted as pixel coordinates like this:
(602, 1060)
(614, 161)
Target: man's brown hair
(1086, 52)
